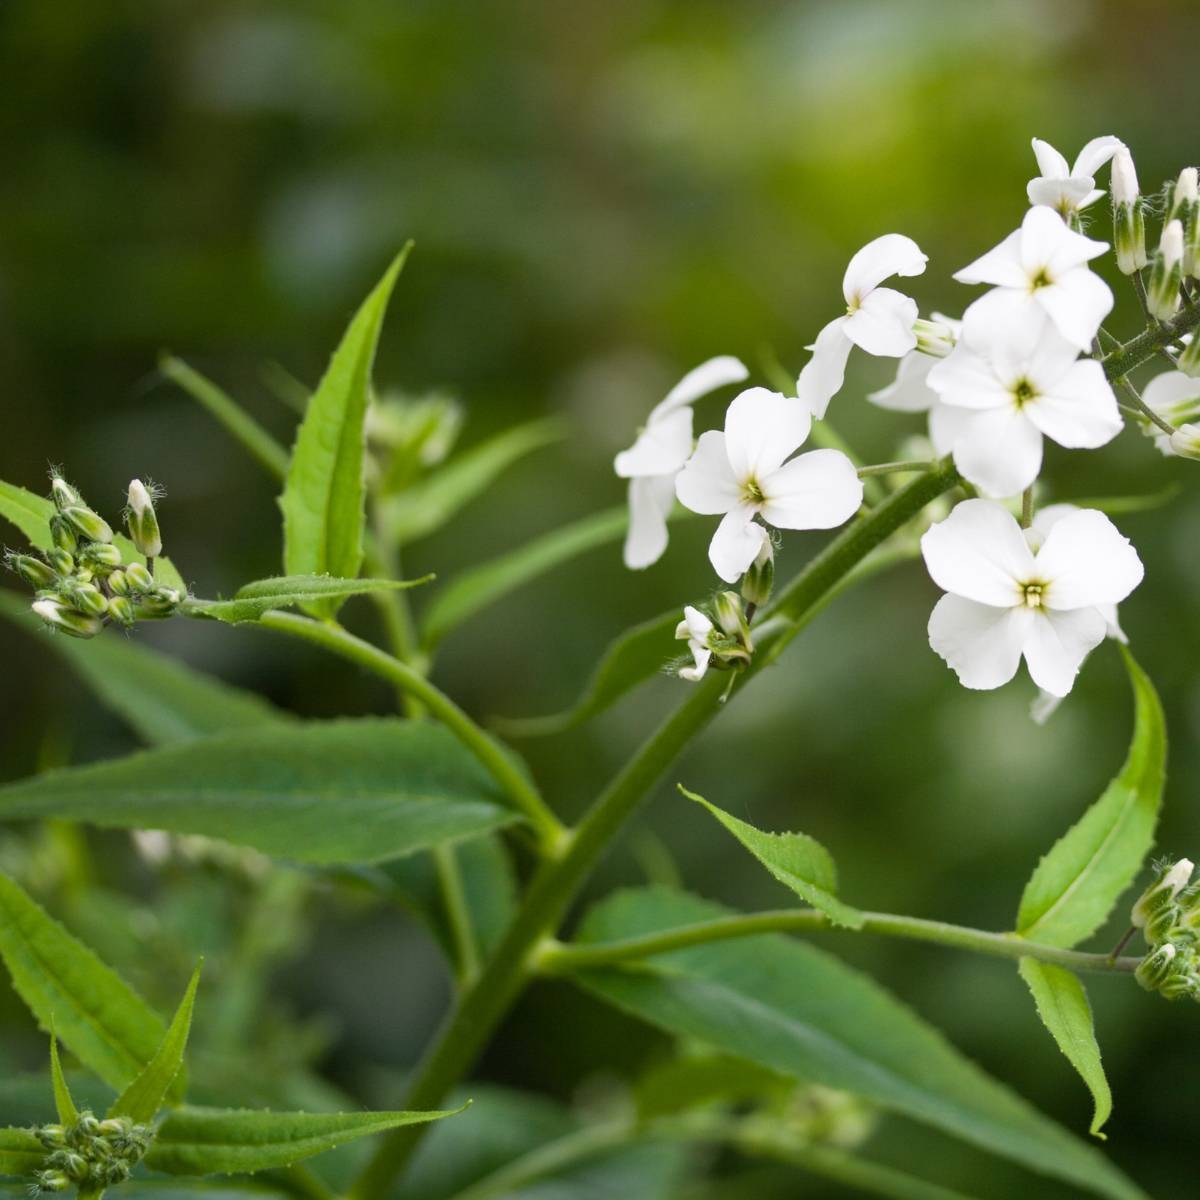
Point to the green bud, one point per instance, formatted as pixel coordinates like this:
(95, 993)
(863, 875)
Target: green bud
(87, 598)
(88, 524)
(760, 579)
(1166, 273)
(72, 1164)
(101, 555)
(160, 603)
(140, 580)
(142, 520)
(1171, 879)
(1154, 969)
(63, 494)
(63, 535)
(1189, 360)
(62, 562)
(1129, 224)
(118, 583)
(1182, 980)
(1160, 923)
(121, 609)
(35, 572)
(53, 1137)
(935, 337)
(730, 616)
(1185, 442)
(52, 1181)
(69, 620)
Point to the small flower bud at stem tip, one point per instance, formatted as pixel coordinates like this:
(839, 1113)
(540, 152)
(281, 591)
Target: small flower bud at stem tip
(140, 580)
(1185, 442)
(63, 494)
(1153, 970)
(69, 620)
(88, 524)
(1166, 273)
(35, 572)
(1124, 178)
(142, 520)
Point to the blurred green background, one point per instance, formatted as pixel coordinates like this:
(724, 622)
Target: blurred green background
(602, 195)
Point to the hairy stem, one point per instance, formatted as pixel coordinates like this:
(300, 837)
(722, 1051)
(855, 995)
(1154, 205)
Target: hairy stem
(498, 762)
(894, 468)
(556, 958)
(1148, 343)
(481, 1007)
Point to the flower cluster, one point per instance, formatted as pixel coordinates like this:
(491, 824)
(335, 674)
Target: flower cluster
(90, 1153)
(84, 580)
(1024, 363)
(1168, 914)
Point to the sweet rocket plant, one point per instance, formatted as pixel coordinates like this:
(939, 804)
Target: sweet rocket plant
(772, 1048)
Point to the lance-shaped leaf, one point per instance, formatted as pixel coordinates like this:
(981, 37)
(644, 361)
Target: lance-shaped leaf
(251, 601)
(142, 1099)
(215, 1141)
(238, 423)
(64, 1105)
(163, 700)
(427, 506)
(794, 1009)
(1063, 1006)
(107, 1025)
(1076, 885)
(329, 792)
(475, 589)
(20, 1152)
(323, 498)
(637, 655)
(795, 859)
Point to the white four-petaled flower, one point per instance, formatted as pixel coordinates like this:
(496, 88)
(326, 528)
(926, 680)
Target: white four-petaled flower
(1040, 269)
(741, 474)
(1064, 187)
(661, 449)
(1022, 382)
(696, 628)
(1005, 601)
(877, 319)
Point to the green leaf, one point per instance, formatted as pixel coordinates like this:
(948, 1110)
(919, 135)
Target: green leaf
(1076, 885)
(217, 1141)
(142, 1099)
(64, 1106)
(323, 499)
(250, 602)
(228, 413)
(329, 792)
(110, 1029)
(475, 589)
(1063, 1006)
(795, 859)
(793, 1009)
(702, 1078)
(20, 1152)
(162, 699)
(427, 506)
(637, 655)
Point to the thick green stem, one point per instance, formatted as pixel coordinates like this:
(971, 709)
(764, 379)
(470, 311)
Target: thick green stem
(481, 1008)
(558, 959)
(458, 914)
(499, 763)
(1137, 350)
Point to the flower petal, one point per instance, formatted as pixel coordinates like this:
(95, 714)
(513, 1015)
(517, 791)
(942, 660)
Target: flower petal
(823, 375)
(1173, 395)
(817, 490)
(1095, 154)
(1000, 452)
(1048, 244)
(883, 323)
(966, 379)
(946, 425)
(661, 448)
(1000, 266)
(1005, 316)
(761, 429)
(1050, 162)
(735, 545)
(1061, 193)
(1086, 561)
(695, 624)
(1056, 645)
(1077, 303)
(911, 391)
(981, 643)
(978, 552)
(706, 484)
(1081, 412)
(650, 500)
(891, 254)
(707, 377)
(700, 656)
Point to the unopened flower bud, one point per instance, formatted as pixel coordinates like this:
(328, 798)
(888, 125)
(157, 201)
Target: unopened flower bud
(1153, 970)
(142, 520)
(1172, 879)
(120, 608)
(52, 1181)
(62, 535)
(87, 523)
(118, 583)
(731, 617)
(35, 572)
(1129, 224)
(87, 598)
(760, 579)
(1185, 441)
(53, 1137)
(162, 602)
(62, 562)
(58, 616)
(63, 494)
(1166, 273)
(1189, 360)
(140, 580)
(935, 337)
(1184, 195)
(101, 555)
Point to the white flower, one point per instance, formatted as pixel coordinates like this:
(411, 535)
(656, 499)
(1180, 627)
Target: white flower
(1005, 601)
(696, 627)
(878, 320)
(661, 449)
(1175, 397)
(1070, 188)
(1027, 382)
(741, 473)
(1041, 268)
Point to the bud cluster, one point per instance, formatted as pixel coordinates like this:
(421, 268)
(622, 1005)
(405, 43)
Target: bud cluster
(83, 581)
(90, 1153)
(1168, 914)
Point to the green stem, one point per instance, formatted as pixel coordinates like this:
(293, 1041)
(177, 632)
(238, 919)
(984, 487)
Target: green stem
(555, 958)
(458, 914)
(1141, 407)
(1148, 343)
(893, 468)
(1027, 507)
(498, 762)
(481, 1008)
